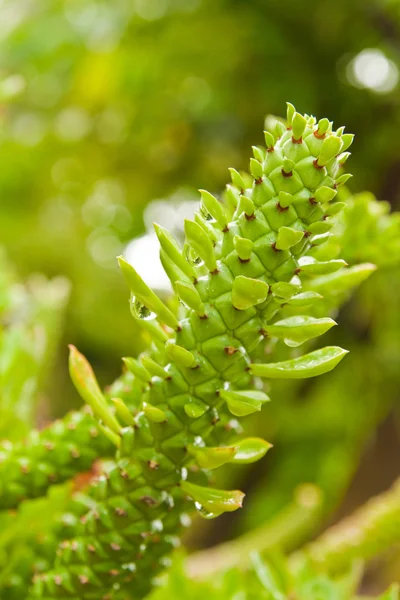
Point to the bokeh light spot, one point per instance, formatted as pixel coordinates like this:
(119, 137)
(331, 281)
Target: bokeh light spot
(372, 70)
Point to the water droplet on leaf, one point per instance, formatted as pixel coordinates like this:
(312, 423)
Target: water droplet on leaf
(140, 310)
(191, 256)
(203, 512)
(205, 214)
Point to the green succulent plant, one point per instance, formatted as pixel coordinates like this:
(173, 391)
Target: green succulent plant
(258, 276)
(241, 262)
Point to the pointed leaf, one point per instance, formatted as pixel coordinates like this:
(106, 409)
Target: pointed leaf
(198, 239)
(288, 237)
(285, 199)
(331, 146)
(212, 458)
(310, 365)
(250, 450)
(190, 296)
(300, 328)
(304, 299)
(123, 411)
(154, 414)
(137, 369)
(180, 355)
(243, 247)
(247, 292)
(214, 501)
(86, 384)
(152, 367)
(173, 251)
(214, 207)
(194, 410)
(310, 266)
(284, 290)
(142, 292)
(325, 194)
(241, 403)
(299, 124)
(246, 205)
(344, 280)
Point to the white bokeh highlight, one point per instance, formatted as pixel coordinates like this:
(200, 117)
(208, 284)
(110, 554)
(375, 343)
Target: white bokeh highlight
(371, 69)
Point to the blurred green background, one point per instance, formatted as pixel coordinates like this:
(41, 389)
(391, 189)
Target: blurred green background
(114, 113)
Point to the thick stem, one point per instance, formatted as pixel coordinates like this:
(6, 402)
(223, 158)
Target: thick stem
(368, 532)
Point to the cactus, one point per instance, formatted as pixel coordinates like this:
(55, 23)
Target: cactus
(51, 456)
(242, 262)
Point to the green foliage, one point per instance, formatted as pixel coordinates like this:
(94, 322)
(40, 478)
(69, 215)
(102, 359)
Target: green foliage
(203, 372)
(266, 579)
(250, 278)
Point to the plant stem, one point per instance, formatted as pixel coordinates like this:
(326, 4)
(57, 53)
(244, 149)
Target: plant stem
(368, 532)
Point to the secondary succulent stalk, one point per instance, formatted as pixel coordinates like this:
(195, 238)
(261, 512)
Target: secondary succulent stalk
(372, 529)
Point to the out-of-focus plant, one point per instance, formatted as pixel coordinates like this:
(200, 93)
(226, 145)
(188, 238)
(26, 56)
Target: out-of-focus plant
(31, 322)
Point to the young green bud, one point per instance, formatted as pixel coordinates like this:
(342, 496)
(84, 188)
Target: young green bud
(144, 294)
(290, 113)
(256, 169)
(334, 209)
(172, 271)
(320, 238)
(243, 403)
(137, 369)
(288, 166)
(304, 299)
(299, 124)
(152, 367)
(288, 237)
(246, 205)
(284, 289)
(314, 267)
(343, 157)
(123, 412)
(258, 153)
(275, 126)
(331, 146)
(243, 247)
(250, 450)
(212, 458)
(154, 414)
(206, 225)
(247, 292)
(113, 437)
(180, 355)
(214, 207)
(325, 194)
(320, 227)
(323, 126)
(310, 365)
(201, 244)
(347, 140)
(214, 502)
(173, 251)
(343, 178)
(285, 199)
(269, 140)
(237, 179)
(86, 384)
(299, 328)
(194, 410)
(190, 296)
